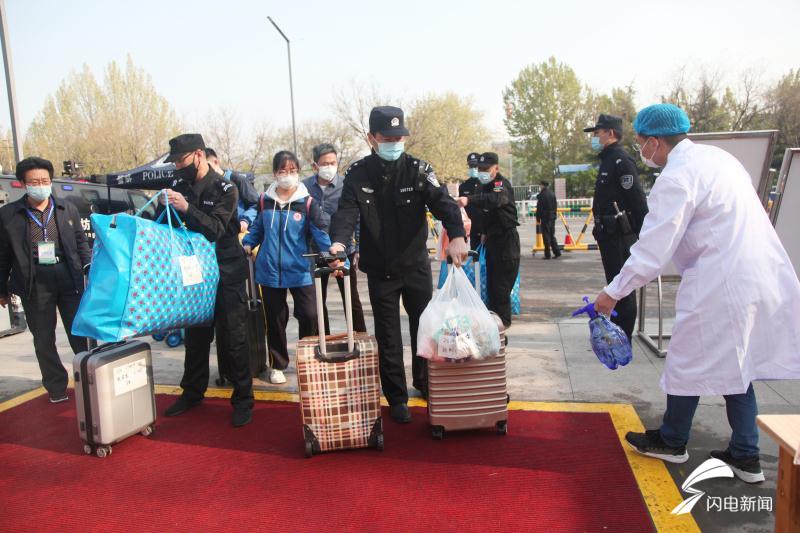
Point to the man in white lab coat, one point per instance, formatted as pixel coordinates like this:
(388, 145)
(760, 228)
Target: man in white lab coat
(738, 306)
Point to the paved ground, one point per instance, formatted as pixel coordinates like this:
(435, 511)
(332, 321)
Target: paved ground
(549, 359)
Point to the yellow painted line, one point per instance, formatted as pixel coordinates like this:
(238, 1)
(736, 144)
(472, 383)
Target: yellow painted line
(659, 491)
(22, 398)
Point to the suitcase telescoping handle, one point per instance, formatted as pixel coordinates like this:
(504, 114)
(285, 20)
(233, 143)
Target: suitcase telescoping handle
(322, 260)
(475, 256)
(253, 286)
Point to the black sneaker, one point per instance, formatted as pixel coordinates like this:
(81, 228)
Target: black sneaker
(242, 417)
(58, 398)
(651, 444)
(181, 405)
(748, 469)
(400, 413)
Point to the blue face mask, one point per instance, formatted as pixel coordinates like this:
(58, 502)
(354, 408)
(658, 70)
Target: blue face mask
(40, 193)
(485, 177)
(390, 151)
(596, 146)
(473, 172)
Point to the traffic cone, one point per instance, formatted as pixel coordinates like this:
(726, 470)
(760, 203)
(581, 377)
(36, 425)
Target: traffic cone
(539, 246)
(568, 240)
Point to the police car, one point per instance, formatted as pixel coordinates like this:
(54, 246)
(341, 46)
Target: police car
(87, 197)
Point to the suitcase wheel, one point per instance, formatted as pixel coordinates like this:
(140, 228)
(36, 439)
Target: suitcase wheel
(379, 443)
(309, 448)
(147, 431)
(174, 339)
(502, 427)
(102, 451)
(158, 337)
(437, 432)
(87, 449)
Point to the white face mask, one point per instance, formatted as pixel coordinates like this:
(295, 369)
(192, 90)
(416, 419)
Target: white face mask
(327, 173)
(287, 182)
(649, 162)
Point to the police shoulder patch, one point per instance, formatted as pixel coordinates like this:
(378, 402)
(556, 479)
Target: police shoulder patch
(225, 185)
(431, 177)
(618, 161)
(626, 181)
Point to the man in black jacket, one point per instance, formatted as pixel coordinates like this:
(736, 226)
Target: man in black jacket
(44, 252)
(546, 213)
(471, 186)
(390, 190)
(619, 201)
(207, 204)
(496, 199)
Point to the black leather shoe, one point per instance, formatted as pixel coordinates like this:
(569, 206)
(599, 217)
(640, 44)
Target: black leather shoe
(242, 417)
(181, 405)
(400, 413)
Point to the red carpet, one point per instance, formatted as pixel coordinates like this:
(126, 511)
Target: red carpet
(552, 472)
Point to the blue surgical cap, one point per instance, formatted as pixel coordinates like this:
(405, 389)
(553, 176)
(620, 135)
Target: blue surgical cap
(661, 120)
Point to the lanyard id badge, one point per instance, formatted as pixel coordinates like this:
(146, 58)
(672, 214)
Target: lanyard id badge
(47, 252)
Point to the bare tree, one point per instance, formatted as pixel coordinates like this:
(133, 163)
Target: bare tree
(353, 103)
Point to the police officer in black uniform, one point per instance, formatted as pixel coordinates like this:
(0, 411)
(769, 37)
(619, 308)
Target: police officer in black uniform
(496, 199)
(208, 205)
(546, 214)
(471, 186)
(390, 190)
(619, 208)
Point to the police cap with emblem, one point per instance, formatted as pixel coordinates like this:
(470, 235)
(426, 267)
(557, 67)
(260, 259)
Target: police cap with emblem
(472, 159)
(183, 144)
(388, 121)
(487, 159)
(606, 122)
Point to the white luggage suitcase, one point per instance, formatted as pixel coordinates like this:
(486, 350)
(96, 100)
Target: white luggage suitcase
(114, 394)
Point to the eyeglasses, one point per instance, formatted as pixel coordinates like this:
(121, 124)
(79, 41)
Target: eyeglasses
(38, 183)
(637, 148)
(332, 164)
(286, 172)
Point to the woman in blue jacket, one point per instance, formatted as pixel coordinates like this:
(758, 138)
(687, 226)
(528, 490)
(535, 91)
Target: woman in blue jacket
(288, 217)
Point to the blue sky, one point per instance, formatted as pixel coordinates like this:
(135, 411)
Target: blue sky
(204, 54)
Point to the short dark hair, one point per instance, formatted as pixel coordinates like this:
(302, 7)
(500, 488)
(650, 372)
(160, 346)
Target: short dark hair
(322, 149)
(210, 152)
(673, 140)
(33, 163)
(544, 183)
(281, 158)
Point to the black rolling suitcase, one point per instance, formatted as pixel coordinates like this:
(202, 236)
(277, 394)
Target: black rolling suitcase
(256, 333)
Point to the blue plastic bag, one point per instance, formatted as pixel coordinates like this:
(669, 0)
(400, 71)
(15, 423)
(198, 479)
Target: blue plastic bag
(140, 285)
(609, 342)
(469, 271)
(515, 303)
(481, 249)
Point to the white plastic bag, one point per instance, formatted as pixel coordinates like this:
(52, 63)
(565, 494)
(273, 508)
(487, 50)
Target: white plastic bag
(456, 325)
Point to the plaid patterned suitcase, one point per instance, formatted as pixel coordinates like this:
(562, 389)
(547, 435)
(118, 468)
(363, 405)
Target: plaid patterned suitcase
(469, 395)
(339, 385)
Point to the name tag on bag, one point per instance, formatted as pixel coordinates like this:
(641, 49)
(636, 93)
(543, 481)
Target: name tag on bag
(190, 269)
(47, 252)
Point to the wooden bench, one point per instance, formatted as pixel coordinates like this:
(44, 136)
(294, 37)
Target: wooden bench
(785, 430)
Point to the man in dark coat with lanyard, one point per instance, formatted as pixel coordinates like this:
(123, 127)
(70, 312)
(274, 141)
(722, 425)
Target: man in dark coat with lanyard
(496, 199)
(390, 190)
(472, 186)
(546, 214)
(208, 205)
(619, 207)
(43, 255)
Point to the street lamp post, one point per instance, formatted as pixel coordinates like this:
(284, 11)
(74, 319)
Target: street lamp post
(291, 88)
(12, 93)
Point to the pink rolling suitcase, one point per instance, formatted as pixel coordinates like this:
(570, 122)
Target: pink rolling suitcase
(469, 395)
